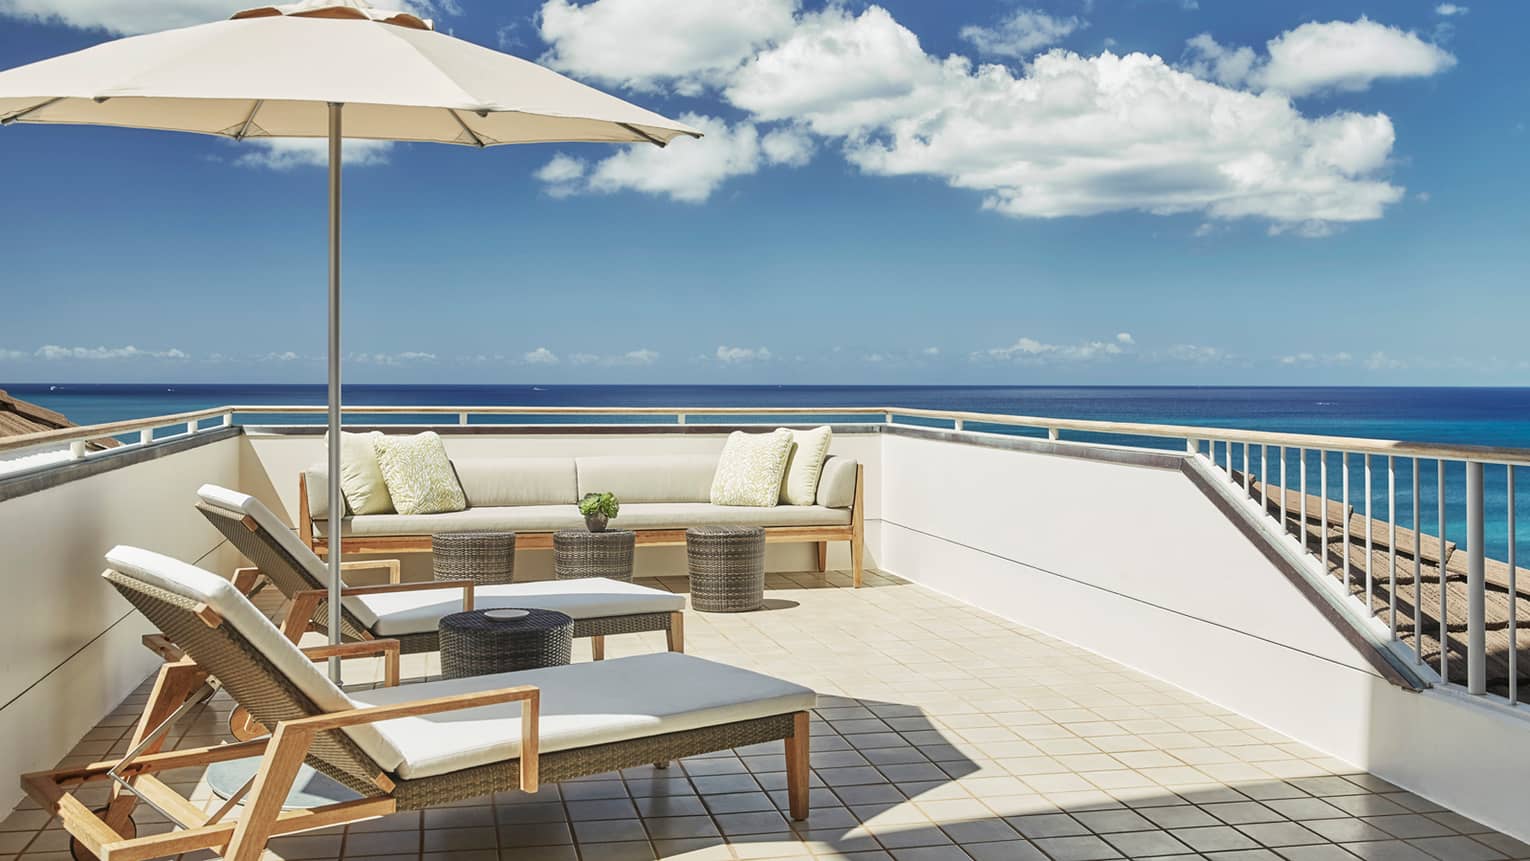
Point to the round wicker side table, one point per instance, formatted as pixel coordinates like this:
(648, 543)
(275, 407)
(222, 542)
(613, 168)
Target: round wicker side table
(486, 558)
(578, 554)
(476, 643)
(727, 568)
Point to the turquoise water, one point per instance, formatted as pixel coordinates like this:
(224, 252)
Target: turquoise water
(1473, 416)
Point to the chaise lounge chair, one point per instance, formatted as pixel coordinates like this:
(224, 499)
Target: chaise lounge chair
(399, 748)
(409, 612)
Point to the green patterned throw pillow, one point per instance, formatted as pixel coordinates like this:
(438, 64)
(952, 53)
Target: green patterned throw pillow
(750, 469)
(418, 474)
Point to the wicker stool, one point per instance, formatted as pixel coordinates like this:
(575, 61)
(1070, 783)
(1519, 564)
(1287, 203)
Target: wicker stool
(727, 568)
(476, 643)
(578, 554)
(486, 558)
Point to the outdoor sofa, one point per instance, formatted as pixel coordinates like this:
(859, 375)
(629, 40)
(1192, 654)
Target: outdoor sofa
(661, 496)
(398, 748)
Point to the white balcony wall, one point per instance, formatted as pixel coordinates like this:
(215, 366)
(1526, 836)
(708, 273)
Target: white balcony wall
(272, 461)
(1137, 564)
(71, 644)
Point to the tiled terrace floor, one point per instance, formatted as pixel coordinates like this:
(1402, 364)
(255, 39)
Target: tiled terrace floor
(943, 733)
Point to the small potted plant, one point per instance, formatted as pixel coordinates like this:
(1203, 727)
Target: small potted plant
(598, 509)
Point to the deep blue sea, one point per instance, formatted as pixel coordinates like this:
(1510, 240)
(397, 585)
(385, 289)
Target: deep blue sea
(1479, 416)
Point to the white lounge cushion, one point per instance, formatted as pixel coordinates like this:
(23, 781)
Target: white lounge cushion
(582, 705)
(192, 582)
(549, 518)
(401, 613)
(244, 504)
(804, 464)
(836, 486)
(649, 478)
(494, 481)
(361, 479)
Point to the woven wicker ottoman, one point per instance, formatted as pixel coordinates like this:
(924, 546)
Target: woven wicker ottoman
(482, 642)
(578, 554)
(486, 558)
(727, 568)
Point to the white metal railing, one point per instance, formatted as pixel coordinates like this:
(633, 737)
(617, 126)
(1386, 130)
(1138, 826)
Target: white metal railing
(1282, 464)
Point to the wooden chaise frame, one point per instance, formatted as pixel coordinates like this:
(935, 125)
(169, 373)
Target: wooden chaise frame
(853, 532)
(309, 609)
(201, 652)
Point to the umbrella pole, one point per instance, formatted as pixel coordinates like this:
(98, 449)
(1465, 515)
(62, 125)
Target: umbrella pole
(336, 498)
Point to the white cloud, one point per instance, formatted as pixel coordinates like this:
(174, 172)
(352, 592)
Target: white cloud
(583, 359)
(1449, 9)
(408, 357)
(54, 353)
(687, 170)
(540, 356)
(734, 355)
(931, 351)
(13, 355)
(1022, 33)
(644, 44)
(635, 358)
(1379, 361)
(1125, 338)
(287, 356)
(144, 16)
(1308, 359)
(1196, 353)
(1028, 350)
(638, 357)
(291, 153)
(1315, 57)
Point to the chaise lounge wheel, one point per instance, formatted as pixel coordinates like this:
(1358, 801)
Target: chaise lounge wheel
(243, 727)
(77, 849)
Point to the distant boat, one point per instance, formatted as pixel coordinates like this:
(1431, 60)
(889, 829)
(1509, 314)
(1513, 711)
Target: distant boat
(53, 388)
(538, 389)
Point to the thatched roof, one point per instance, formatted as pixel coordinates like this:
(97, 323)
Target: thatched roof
(18, 417)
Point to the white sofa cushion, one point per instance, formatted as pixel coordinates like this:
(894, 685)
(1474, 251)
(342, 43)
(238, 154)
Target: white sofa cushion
(649, 478)
(189, 581)
(361, 479)
(836, 487)
(495, 481)
(750, 468)
(582, 705)
(804, 464)
(549, 518)
(401, 613)
(244, 504)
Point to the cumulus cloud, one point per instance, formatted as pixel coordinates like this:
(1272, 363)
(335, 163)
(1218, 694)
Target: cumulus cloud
(1450, 9)
(634, 358)
(1021, 34)
(292, 153)
(931, 351)
(1125, 338)
(408, 357)
(645, 44)
(1029, 350)
(737, 355)
(1379, 361)
(540, 356)
(145, 16)
(688, 170)
(55, 353)
(1336, 55)
(1198, 353)
(1308, 359)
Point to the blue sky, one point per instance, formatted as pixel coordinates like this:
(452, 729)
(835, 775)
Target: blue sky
(1149, 191)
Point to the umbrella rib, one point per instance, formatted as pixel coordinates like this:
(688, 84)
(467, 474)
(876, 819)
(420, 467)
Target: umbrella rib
(477, 141)
(642, 134)
(18, 116)
(249, 120)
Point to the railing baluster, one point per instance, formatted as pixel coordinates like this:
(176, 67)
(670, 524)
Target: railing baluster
(1264, 478)
(1392, 545)
(146, 436)
(1281, 457)
(1323, 501)
(1347, 518)
(1246, 478)
(1444, 594)
(1476, 587)
(1418, 574)
(1369, 546)
(1227, 459)
(1513, 599)
(1301, 526)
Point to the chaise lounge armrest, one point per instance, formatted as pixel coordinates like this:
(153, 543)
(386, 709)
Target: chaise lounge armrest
(388, 650)
(302, 730)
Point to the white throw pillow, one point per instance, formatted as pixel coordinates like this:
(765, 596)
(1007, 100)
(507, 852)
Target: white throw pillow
(419, 475)
(804, 465)
(750, 469)
(361, 479)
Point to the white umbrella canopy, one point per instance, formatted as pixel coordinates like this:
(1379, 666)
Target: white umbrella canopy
(324, 69)
(271, 72)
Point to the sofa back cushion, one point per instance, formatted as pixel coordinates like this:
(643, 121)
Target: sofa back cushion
(500, 481)
(836, 488)
(649, 478)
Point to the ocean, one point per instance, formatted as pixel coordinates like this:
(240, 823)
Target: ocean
(1473, 416)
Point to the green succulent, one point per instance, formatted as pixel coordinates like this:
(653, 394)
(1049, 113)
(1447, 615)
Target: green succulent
(599, 503)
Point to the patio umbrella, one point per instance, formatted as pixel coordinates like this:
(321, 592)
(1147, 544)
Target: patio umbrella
(329, 69)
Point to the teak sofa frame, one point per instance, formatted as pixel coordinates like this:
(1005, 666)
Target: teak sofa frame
(854, 532)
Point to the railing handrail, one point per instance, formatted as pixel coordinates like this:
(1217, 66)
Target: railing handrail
(1402, 448)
